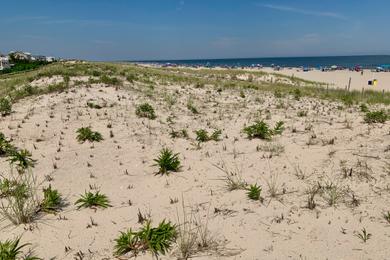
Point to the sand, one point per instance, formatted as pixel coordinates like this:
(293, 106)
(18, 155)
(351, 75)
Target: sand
(317, 148)
(340, 78)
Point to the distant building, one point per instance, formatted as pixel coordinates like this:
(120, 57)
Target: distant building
(50, 59)
(39, 58)
(19, 55)
(4, 62)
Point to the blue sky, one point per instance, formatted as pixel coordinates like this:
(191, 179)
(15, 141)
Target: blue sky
(182, 29)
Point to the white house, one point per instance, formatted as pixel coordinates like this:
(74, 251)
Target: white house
(4, 62)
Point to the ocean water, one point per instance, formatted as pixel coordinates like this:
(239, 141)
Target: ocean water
(314, 62)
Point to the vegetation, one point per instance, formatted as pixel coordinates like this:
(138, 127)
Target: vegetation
(86, 134)
(261, 130)
(203, 136)
(22, 159)
(13, 250)
(89, 200)
(254, 192)
(5, 106)
(51, 200)
(376, 117)
(364, 235)
(6, 148)
(20, 204)
(157, 240)
(145, 110)
(167, 162)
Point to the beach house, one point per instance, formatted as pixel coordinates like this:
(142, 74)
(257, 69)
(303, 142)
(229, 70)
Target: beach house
(4, 62)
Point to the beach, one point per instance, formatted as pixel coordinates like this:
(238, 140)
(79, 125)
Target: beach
(340, 78)
(323, 172)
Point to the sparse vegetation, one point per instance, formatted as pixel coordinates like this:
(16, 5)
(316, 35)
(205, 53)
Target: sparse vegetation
(203, 136)
(5, 106)
(376, 117)
(90, 200)
(145, 110)
(86, 134)
(261, 130)
(167, 162)
(157, 240)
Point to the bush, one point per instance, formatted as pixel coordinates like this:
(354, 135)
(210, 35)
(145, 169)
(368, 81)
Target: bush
(376, 117)
(167, 162)
(5, 106)
(86, 134)
(109, 80)
(145, 110)
(156, 240)
(261, 130)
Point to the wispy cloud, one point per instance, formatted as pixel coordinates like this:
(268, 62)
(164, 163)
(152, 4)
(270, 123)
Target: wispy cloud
(291, 9)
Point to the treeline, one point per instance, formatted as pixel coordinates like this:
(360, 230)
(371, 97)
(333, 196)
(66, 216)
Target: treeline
(22, 65)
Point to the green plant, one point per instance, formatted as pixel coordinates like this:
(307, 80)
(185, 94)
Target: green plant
(157, 240)
(91, 104)
(279, 128)
(20, 201)
(13, 250)
(191, 107)
(363, 107)
(364, 235)
(51, 200)
(5, 146)
(89, 200)
(167, 161)
(376, 117)
(386, 216)
(259, 129)
(109, 80)
(22, 159)
(86, 134)
(302, 113)
(254, 192)
(5, 106)
(203, 136)
(297, 94)
(145, 110)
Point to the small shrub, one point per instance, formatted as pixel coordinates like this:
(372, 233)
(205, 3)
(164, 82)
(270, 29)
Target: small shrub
(5, 106)
(261, 130)
(89, 200)
(109, 80)
(203, 136)
(302, 113)
(51, 200)
(297, 94)
(6, 147)
(145, 110)
(167, 161)
(157, 240)
(86, 134)
(22, 159)
(13, 250)
(376, 117)
(254, 192)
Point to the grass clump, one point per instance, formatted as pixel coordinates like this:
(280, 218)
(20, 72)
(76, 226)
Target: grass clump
(203, 136)
(376, 117)
(254, 192)
(22, 159)
(5, 106)
(157, 240)
(51, 200)
(13, 250)
(262, 130)
(167, 161)
(86, 134)
(20, 202)
(5, 146)
(91, 200)
(145, 110)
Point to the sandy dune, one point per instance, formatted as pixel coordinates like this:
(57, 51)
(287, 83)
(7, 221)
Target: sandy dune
(321, 147)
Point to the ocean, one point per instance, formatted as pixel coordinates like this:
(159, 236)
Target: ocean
(368, 62)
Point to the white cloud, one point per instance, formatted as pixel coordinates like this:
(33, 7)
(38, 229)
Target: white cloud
(304, 11)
